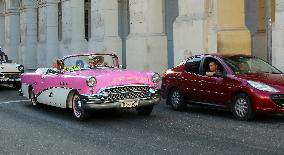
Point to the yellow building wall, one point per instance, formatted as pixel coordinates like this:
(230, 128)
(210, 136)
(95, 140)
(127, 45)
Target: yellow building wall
(233, 36)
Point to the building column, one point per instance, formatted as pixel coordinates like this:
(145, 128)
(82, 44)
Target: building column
(146, 45)
(66, 24)
(233, 35)
(12, 30)
(278, 36)
(78, 41)
(189, 30)
(28, 45)
(104, 22)
(2, 24)
(48, 48)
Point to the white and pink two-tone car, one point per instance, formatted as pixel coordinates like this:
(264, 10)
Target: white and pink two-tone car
(87, 82)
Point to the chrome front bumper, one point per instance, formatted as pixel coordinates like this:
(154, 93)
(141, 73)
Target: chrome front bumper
(98, 102)
(118, 104)
(9, 78)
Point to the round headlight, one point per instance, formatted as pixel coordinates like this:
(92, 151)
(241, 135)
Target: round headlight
(91, 82)
(155, 77)
(21, 68)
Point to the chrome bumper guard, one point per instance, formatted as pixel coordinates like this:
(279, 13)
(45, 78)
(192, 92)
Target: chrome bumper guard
(9, 78)
(99, 102)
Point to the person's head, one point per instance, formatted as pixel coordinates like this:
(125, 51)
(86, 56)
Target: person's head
(80, 63)
(99, 60)
(243, 66)
(58, 64)
(96, 61)
(213, 66)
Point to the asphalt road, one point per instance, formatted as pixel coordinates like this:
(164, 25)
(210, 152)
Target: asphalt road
(28, 130)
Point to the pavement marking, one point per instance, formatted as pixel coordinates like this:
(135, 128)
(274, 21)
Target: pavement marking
(17, 101)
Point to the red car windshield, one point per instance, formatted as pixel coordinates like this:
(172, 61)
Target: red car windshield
(250, 65)
(90, 62)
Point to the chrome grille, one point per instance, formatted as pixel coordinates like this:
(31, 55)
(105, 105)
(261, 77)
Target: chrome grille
(127, 92)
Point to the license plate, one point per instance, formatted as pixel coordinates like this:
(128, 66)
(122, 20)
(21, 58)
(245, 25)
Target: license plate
(129, 103)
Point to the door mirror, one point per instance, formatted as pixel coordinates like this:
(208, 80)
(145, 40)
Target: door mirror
(219, 75)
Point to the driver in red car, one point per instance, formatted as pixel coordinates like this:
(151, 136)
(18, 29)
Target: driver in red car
(213, 67)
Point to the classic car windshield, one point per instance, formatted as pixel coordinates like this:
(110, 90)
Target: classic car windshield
(90, 62)
(250, 65)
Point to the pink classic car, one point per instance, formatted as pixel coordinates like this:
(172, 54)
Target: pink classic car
(92, 82)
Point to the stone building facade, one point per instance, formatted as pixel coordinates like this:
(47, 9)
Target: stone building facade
(145, 34)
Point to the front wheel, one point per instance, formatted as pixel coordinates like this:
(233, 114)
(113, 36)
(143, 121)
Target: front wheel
(146, 110)
(78, 111)
(176, 100)
(33, 97)
(242, 107)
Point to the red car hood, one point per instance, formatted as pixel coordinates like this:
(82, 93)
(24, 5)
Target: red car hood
(271, 79)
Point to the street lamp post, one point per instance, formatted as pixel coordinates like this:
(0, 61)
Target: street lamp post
(268, 4)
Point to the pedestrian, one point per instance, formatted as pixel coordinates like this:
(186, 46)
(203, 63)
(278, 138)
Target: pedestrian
(2, 55)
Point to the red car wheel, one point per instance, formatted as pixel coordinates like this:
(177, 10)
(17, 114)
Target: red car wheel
(176, 100)
(242, 107)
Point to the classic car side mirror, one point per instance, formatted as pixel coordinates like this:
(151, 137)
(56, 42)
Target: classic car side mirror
(219, 75)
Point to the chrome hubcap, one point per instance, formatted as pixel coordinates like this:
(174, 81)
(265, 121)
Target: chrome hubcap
(77, 105)
(241, 107)
(176, 98)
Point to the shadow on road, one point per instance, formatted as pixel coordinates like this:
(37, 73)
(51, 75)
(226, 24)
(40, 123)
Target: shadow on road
(4, 87)
(160, 112)
(96, 116)
(227, 115)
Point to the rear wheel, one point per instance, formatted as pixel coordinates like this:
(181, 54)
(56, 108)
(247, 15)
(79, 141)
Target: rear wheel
(33, 97)
(146, 110)
(242, 107)
(78, 110)
(176, 100)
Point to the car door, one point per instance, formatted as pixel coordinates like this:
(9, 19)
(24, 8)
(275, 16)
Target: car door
(56, 90)
(189, 82)
(215, 90)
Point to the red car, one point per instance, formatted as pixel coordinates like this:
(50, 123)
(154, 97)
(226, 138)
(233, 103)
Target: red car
(243, 84)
